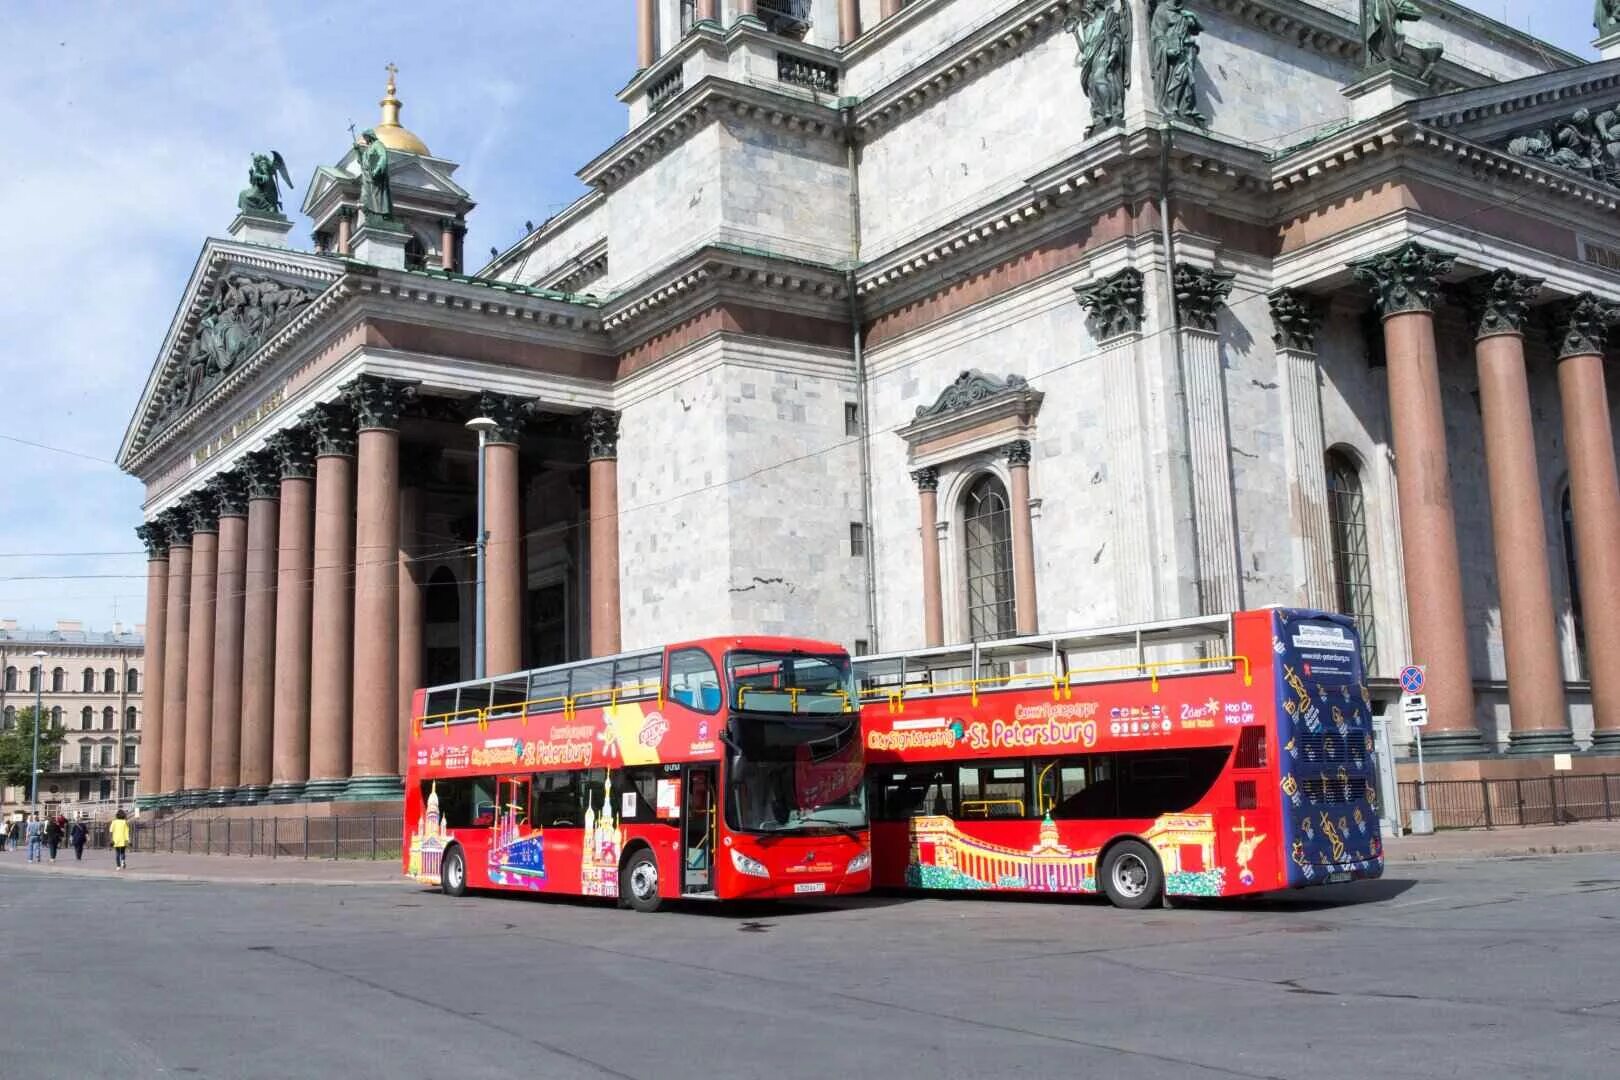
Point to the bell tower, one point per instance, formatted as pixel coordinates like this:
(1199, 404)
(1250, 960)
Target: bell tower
(389, 201)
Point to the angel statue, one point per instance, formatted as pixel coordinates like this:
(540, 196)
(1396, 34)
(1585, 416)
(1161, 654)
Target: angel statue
(376, 197)
(262, 195)
(1102, 30)
(1606, 16)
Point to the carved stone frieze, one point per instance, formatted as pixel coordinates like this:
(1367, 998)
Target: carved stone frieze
(1295, 319)
(1200, 294)
(1586, 142)
(1114, 304)
(1405, 279)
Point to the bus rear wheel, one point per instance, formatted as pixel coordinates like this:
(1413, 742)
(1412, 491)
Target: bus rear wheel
(453, 873)
(1131, 875)
(638, 882)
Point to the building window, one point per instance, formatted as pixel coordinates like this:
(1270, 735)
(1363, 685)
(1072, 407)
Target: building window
(852, 419)
(132, 681)
(84, 791)
(1352, 564)
(129, 790)
(11, 679)
(107, 718)
(862, 646)
(89, 684)
(33, 679)
(987, 539)
(129, 755)
(129, 718)
(857, 539)
(58, 680)
(109, 681)
(10, 717)
(106, 755)
(1567, 514)
(87, 718)
(106, 790)
(56, 717)
(84, 755)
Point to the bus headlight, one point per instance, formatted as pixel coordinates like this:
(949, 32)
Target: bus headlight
(860, 863)
(745, 865)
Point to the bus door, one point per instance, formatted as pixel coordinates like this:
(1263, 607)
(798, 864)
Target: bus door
(698, 830)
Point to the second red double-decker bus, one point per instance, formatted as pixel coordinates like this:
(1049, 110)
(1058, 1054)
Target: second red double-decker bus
(715, 769)
(1211, 757)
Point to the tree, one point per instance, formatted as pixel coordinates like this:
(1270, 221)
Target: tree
(17, 749)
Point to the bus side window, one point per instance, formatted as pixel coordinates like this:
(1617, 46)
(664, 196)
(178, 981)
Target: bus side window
(464, 804)
(1060, 780)
(1087, 789)
(693, 680)
(557, 800)
(994, 791)
(901, 794)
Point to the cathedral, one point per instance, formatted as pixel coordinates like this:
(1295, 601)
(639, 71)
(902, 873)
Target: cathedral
(911, 323)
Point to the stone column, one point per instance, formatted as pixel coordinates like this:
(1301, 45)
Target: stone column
(602, 445)
(1295, 319)
(345, 236)
(176, 668)
(204, 510)
(747, 9)
(1404, 282)
(414, 472)
(1498, 305)
(225, 750)
(376, 403)
(503, 522)
(262, 474)
(1199, 296)
(849, 21)
(891, 8)
(1023, 539)
(646, 34)
(332, 633)
(289, 742)
(1582, 329)
(1114, 316)
(156, 539)
(708, 10)
(447, 244)
(933, 595)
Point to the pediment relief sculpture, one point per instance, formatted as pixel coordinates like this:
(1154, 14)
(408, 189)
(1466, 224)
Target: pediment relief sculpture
(1585, 142)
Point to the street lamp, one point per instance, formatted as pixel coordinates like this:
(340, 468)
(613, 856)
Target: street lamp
(39, 709)
(483, 425)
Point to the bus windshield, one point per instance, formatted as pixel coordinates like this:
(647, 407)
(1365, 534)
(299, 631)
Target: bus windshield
(796, 776)
(794, 683)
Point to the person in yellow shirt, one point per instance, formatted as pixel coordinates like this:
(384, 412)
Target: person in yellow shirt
(120, 837)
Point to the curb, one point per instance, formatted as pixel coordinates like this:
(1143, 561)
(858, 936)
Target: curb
(155, 875)
(1392, 852)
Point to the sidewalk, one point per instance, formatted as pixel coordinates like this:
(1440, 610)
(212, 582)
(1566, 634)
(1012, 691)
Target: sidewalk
(218, 868)
(1505, 842)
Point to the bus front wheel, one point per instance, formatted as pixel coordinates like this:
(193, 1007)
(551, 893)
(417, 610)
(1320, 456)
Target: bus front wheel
(638, 882)
(453, 873)
(1131, 875)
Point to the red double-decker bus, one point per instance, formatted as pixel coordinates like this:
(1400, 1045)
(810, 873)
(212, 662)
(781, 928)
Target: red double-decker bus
(715, 769)
(1212, 757)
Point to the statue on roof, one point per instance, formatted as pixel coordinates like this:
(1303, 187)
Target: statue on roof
(1102, 30)
(1173, 37)
(1386, 45)
(376, 197)
(262, 195)
(1606, 16)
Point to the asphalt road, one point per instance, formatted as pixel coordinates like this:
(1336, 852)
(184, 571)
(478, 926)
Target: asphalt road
(1502, 968)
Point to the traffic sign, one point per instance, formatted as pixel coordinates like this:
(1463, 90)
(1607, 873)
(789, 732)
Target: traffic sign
(1412, 679)
(1416, 710)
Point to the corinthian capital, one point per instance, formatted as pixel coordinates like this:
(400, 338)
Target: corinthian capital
(377, 401)
(1581, 325)
(1295, 319)
(155, 537)
(1114, 304)
(1200, 294)
(1498, 303)
(1405, 279)
(601, 434)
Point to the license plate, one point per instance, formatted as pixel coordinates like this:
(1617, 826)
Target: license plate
(810, 886)
(1334, 879)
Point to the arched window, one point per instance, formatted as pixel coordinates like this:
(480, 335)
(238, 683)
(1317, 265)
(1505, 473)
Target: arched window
(11, 679)
(1567, 513)
(58, 680)
(132, 681)
(987, 542)
(1352, 563)
(109, 681)
(89, 680)
(56, 716)
(107, 715)
(129, 718)
(86, 718)
(33, 678)
(11, 713)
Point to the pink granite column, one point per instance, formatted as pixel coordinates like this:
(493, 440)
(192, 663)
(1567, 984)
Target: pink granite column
(646, 34)
(1498, 305)
(1582, 327)
(891, 8)
(447, 244)
(376, 403)
(156, 539)
(176, 669)
(932, 592)
(603, 451)
(289, 742)
(503, 521)
(204, 511)
(262, 474)
(225, 751)
(332, 630)
(345, 236)
(1404, 283)
(708, 10)
(849, 21)
(1023, 538)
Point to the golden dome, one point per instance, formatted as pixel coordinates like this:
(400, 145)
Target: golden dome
(389, 130)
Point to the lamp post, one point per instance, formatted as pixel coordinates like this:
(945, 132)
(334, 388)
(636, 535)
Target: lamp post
(39, 709)
(483, 425)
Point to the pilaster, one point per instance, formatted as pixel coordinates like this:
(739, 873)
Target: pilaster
(1296, 318)
(1199, 295)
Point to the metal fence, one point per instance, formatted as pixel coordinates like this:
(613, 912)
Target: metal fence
(1542, 800)
(377, 836)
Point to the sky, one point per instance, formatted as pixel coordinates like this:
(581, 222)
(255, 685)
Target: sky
(125, 131)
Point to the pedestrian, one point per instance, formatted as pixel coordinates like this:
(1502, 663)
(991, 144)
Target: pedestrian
(79, 835)
(120, 838)
(53, 836)
(36, 836)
